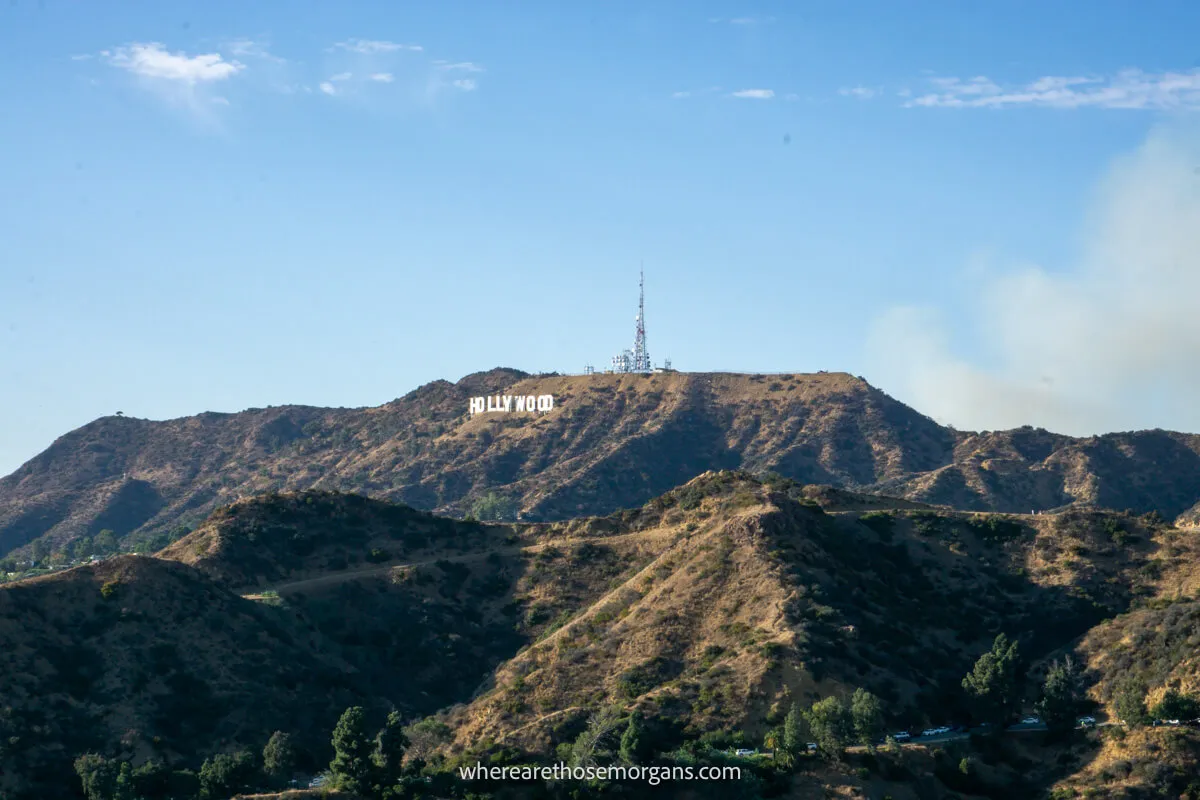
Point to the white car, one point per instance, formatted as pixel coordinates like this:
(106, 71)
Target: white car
(1031, 721)
(744, 753)
(935, 731)
(812, 747)
(1086, 721)
(902, 736)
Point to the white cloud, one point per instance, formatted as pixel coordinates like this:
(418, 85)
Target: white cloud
(341, 76)
(755, 94)
(81, 57)
(680, 95)
(220, 101)
(1112, 343)
(458, 66)
(327, 88)
(466, 84)
(859, 92)
(382, 77)
(151, 60)
(372, 47)
(1129, 89)
(251, 48)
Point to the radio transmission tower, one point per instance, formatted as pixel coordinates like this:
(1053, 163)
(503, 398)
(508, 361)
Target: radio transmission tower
(641, 356)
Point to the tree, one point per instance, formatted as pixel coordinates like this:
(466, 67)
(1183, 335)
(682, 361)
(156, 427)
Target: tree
(226, 774)
(1176, 705)
(773, 740)
(279, 757)
(592, 741)
(105, 543)
(1129, 703)
(831, 725)
(99, 776)
(866, 711)
(633, 740)
(493, 506)
(350, 768)
(794, 739)
(1062, 696)
(388, 756)
(994, 684)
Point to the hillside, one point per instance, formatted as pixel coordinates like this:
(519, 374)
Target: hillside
(611, 441)
(150, 659)
(710, 609)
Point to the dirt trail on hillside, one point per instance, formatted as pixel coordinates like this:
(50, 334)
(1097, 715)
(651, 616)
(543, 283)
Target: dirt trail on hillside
(367, 572)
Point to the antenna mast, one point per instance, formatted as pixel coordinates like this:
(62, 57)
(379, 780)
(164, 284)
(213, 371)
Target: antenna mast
(641, 356)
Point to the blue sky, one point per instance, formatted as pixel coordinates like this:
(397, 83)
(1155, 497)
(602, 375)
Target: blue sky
(222, 205)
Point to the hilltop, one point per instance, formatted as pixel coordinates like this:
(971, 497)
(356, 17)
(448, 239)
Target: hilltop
(612, 441)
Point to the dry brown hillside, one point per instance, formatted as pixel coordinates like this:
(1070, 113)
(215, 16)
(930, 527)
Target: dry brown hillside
(612, 441)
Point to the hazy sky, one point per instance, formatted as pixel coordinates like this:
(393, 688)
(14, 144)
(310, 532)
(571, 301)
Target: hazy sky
(989, 210)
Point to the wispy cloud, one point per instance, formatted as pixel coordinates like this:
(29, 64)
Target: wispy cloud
(341, 76)
(252, 48)
(466, 84)
(859, 92)
(754, 94)
(327, 88)
(382, 77)
(458, 66)
(682, 95)
(151, 60)
(1128, 89)
(373, 46)
(741, 20)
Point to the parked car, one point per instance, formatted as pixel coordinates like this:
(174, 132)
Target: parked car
(902, 736)
(1031, 721)
(1086, 722)
(744, 753)
(936, 731)
(812, 747)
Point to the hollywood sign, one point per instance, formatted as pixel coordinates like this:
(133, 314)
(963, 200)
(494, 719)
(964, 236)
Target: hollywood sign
(509, 402)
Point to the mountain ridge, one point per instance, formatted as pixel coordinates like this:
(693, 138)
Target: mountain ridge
(612, 441)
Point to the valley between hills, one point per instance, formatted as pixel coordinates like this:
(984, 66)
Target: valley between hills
(664, 570)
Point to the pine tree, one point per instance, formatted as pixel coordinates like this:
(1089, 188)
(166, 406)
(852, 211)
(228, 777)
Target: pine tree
(388, 756)
(994, 683)
(350, 768)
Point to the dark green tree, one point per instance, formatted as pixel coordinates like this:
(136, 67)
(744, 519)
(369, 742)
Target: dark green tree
(226, 774)
(1062, 696)
(994, 683)
(279, 757)
(1176, 705)
(794, 736)
(102, 778)
(493, 506)
(105, 542)
(1129, 703)
(866, 711)
(351, 766)
(388, 755)
(633, 740)
(831, 724)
